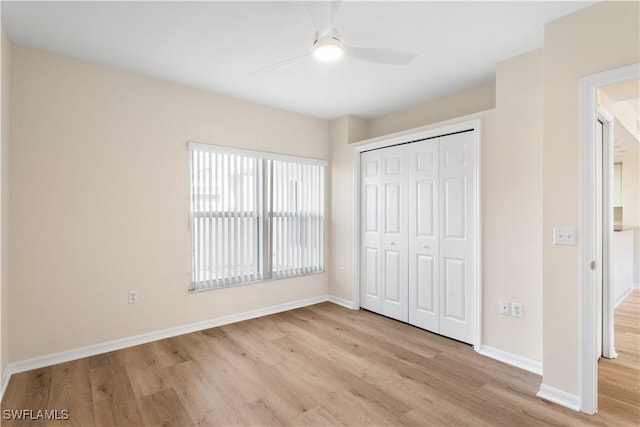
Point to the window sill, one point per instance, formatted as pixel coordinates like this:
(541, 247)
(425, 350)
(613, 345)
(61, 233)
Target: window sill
(273, 279)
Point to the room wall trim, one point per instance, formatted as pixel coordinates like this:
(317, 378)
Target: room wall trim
(560, 397)
(587, 358)
(4, 382)
(343, 302)
(118, 344)
(623, 297)
(511, 359)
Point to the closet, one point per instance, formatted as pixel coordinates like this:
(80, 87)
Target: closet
(418, 230)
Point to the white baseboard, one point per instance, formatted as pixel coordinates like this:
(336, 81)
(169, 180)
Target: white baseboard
(558, 396)
(105, 347)
(622, 298)
(341, 301)
(511, 359)
(92, 350)
(4, 382)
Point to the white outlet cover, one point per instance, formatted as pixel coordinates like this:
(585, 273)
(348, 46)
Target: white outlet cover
(132, 296)
(564, 236)
(516, 309)
(505, 307)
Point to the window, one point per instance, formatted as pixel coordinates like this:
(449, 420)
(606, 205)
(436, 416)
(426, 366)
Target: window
(254, 216)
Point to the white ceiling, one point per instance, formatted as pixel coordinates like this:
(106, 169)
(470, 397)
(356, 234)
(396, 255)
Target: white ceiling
(219, 46)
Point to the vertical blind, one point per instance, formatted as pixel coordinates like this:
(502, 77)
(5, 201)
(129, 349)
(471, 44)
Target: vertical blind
(254, 216)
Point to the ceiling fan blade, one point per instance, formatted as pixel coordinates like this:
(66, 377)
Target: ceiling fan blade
(283, 65)
(380, 55)
(322, 14)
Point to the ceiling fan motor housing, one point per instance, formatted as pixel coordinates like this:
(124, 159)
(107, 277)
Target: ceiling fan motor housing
(327, 47)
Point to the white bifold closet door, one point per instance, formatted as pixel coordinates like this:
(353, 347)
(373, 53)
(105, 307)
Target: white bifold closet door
(384, 232)
(424, 234)
(394, 232)
(418, 234)
(371, 230)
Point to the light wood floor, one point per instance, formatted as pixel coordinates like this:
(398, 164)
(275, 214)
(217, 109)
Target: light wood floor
(619, 379)
(320, 365)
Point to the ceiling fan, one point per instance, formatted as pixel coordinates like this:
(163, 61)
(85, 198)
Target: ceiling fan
(328, 45)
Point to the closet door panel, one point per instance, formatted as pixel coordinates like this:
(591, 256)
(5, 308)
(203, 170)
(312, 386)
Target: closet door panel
(455, 207)
(392, 279)
(423, 234)
(425, 289)
(371, 269)
(371, 230)
(393, 250)
(394, 234)
(424, 207)
(457, 246)
(454, 280)
(371, 202)
(392, 207)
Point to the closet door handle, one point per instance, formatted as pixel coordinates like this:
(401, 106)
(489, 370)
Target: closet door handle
(392, 243)
(425, 246)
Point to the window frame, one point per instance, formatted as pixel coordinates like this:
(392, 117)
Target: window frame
(264, 213)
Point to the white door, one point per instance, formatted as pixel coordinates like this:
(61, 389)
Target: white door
(418, 210)
(371, 230)
(457, 213)
(423, 235)
(394, 233)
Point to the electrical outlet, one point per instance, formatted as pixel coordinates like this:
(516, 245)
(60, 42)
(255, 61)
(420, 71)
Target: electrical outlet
(516, 309)
(342, 272)
(505, 307)
(564, 236)
(133, 296)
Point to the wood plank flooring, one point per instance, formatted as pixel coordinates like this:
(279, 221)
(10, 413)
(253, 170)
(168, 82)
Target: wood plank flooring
(619, 379)
(321, 365)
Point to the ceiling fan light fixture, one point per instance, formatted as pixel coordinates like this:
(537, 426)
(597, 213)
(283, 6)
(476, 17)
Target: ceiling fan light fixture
(328, 50)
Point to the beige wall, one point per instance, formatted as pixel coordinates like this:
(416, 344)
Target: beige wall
(595, 39)
(4, 206)
(511, 197)
(512, 208)
(460, 104)
(343, 131)
(341, 261)
(99, 197)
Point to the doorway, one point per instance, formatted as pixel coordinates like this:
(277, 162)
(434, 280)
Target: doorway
(591, 225)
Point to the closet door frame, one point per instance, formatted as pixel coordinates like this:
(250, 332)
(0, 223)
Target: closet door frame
(424, 133)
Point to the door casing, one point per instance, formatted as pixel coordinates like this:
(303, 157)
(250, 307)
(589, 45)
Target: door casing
(587, 359)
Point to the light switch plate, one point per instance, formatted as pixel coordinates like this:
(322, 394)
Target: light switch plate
(564, 236)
